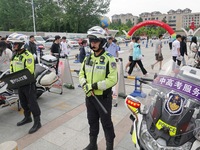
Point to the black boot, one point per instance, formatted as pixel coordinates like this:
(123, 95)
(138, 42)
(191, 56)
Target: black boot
(109, 145)
(93, 144)
(36, 125)
(27, 119)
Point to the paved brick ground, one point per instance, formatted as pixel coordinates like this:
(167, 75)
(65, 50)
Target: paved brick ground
(64, 119)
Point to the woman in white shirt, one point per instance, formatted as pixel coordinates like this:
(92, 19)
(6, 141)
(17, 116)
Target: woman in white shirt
(130, 59)
(193, 53)
(193, 44)
(5, 56)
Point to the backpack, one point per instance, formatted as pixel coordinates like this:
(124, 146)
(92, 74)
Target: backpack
(137, 53)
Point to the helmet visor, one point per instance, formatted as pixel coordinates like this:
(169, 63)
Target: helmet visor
(93, 38)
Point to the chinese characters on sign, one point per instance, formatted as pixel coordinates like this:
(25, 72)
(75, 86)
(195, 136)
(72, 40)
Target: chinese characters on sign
(179, 85)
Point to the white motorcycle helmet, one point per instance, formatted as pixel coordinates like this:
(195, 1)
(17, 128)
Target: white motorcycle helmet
(21, 43)
(97, 34)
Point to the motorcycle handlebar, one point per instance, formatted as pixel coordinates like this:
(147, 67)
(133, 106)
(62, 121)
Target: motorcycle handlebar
(147, 79)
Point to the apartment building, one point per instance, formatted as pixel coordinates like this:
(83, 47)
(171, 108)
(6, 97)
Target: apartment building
(124, 18)
(177, 19)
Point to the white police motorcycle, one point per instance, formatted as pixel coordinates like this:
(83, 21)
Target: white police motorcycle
(168, 117)
(45, 76)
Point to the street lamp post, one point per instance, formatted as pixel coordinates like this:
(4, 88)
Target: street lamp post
(33, 14)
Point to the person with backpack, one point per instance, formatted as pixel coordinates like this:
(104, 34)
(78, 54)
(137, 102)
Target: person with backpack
(137, 58)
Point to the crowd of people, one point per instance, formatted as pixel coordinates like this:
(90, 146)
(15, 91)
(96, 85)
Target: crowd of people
(178, 48)
(98, 74)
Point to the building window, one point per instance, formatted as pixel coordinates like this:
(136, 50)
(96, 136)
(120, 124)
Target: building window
(174, 17)
(133, 19)
(172, 24)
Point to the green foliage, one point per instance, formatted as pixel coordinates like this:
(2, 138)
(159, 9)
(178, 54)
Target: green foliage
(164, 20)
(61, 16)
(129, 23)
(147, 30)
(14, 15)
(140, 20)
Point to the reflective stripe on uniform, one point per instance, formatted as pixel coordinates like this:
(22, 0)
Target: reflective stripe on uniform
(101, 85)
(82, 81)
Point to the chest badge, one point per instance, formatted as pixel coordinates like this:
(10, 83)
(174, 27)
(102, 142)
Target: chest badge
(102, 60)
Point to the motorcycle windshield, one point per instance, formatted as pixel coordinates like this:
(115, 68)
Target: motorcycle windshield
(173, 116)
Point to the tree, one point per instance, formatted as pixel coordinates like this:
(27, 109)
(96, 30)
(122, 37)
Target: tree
(51, 15)
(14, 15)
(82, 14)
(164, 20)
(129, 23)
(140, 20)
(48, 15)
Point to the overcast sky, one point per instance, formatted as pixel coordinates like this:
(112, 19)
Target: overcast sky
(136, 7)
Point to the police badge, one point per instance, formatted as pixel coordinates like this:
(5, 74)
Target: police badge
(29, 61)
(113, 65)
(174, 104)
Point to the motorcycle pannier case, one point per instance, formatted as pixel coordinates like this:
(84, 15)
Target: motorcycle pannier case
(49, 60)
(48, 79)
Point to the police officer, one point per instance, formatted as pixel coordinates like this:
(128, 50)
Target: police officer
(97, 76)
(23, 59)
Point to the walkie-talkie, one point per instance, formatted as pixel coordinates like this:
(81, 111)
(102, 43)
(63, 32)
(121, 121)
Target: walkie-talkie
(87, 62)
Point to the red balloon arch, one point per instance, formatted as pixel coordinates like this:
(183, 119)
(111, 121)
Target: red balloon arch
(152, 22)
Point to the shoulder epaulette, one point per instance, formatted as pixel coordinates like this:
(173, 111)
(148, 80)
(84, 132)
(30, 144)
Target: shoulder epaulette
(108, 54)
(26, 53)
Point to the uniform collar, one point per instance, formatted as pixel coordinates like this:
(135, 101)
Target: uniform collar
(21, 52)
(99, 53)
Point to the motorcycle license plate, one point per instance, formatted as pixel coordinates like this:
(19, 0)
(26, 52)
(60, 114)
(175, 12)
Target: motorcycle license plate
(161, 124)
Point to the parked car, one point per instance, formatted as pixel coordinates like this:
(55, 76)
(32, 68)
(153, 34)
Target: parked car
(45, 37)
(39, 39)
(79, 40)
(39, 45)
(120, 40)
(72, 43)
(49, 43)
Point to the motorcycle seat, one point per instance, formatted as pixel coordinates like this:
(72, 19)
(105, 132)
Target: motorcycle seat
(38, 70)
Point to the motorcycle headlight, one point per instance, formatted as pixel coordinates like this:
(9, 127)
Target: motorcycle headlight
(146, 137)
(154, 145)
